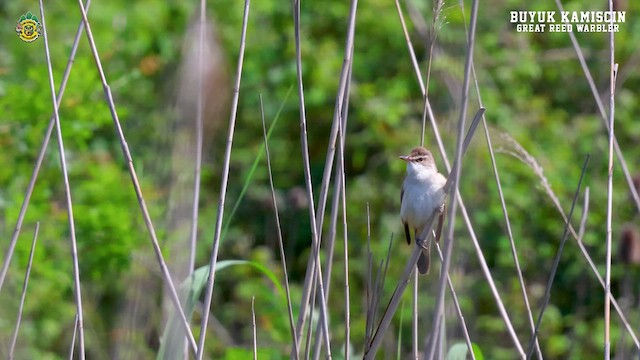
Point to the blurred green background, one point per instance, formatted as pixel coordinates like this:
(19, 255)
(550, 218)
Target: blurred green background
(532, 86)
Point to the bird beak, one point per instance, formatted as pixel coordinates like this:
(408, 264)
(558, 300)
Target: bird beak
(404, 157)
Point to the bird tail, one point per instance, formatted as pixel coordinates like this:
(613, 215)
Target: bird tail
(424, 261)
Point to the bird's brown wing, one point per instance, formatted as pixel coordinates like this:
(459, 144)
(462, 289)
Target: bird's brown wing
(438, 232)
(406, 226)
(406, 233)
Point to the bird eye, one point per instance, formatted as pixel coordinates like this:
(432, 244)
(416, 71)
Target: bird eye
(419, 159)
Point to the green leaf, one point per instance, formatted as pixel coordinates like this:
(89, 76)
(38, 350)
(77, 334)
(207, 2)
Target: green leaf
(263, 269)
(459, 351)
(190, 290)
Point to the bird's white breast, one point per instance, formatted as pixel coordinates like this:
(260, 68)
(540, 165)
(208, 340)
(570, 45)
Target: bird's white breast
(423, 194)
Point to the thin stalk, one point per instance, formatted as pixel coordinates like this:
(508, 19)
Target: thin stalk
(67, 188)
(73, 337)
(454, 296)
(41, 153)
(136, 184)
(556, 262)
(370, 321)
(347, 311)
(412, 54)
(223, 186)
(329, 247)
(414, 317)
(437, 9)
(193, 237)
(253, 325)
(399, 342)
(307, 344)
(607, 287)
(382, 273)
(283, 259)
(315, 243)
(24, 291)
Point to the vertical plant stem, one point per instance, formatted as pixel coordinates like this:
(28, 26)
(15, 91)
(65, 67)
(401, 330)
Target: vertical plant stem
(456, 304)
(283, 259)
(73, 337)
(347, 305)
(223, 186)
(193, 236)
(414, 62)
(67, 189)
(370, 321)
(199, 140)
(437, 9)
(24, 291)
(414, 317)
(40, 158)
(399, 342)
(607, 288)
(253, 325)
(329, 247)
(307, 345)
(136, 185)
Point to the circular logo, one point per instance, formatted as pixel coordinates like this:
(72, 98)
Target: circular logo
(28, 28)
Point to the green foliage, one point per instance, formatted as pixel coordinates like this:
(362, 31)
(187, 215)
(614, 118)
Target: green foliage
(459, 351)
(190, 291)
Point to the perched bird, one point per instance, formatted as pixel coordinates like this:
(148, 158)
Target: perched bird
(421, 197)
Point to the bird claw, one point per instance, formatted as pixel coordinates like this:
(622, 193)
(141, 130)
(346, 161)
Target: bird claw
(422, 243)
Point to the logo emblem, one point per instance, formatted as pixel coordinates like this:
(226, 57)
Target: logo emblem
(28, 28)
